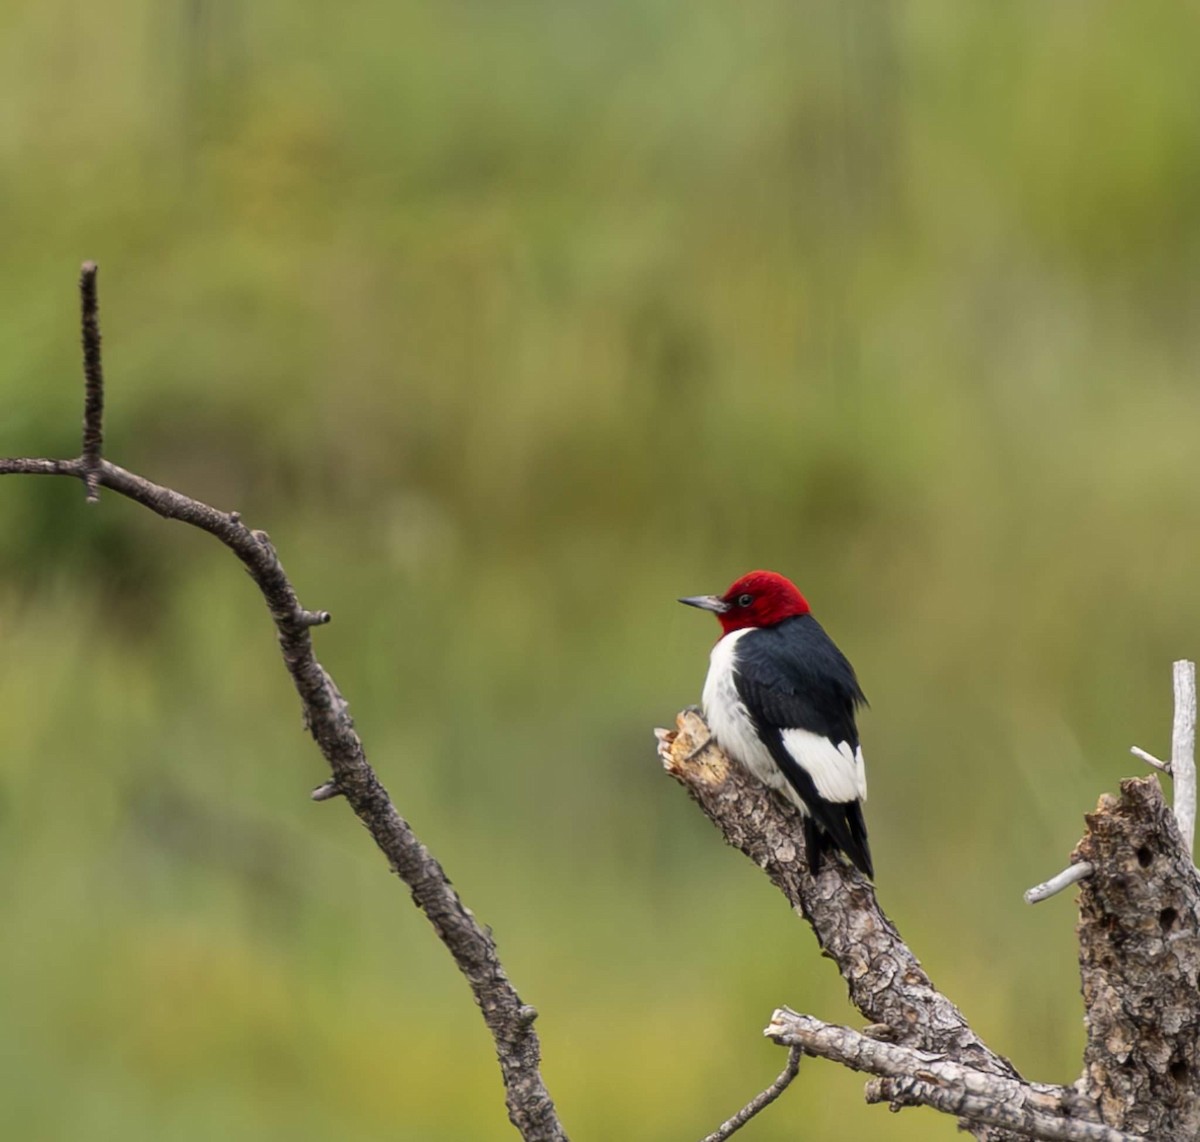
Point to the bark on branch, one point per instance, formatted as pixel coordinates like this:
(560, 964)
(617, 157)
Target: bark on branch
(931, 1078)
(1139, 958)
(327, 717)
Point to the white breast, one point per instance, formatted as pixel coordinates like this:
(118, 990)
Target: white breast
(730, 722)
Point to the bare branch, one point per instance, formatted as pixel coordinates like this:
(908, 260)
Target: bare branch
(733, 1125)
(1072, 874)
(930, 1078)
(93, 379)
(1183, 751)
(30, 466)
(886, 981)
(327, 717)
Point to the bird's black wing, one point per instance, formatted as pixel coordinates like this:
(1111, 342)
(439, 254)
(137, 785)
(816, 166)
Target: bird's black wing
(792, 676)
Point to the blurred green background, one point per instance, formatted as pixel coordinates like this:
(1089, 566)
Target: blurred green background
(511, 322)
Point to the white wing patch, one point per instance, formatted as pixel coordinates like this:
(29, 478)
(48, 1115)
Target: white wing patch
(837, 771)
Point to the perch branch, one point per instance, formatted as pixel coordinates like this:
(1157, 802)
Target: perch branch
(768, 1096)
(327, 718)
(929, 1078)
(886, 981)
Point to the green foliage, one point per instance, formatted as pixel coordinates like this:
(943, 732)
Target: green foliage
(512, 322)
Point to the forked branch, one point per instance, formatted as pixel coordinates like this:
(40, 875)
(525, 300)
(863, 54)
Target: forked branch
(327, 718)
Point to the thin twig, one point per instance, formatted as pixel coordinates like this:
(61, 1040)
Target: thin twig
(93, 379)
(1183, 751)
(768, 1096)
(1072, 874)
(934, 1079)
(327, 717)
(1150, 759)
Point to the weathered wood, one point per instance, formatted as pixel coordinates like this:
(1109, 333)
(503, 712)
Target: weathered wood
(928, 1078)
(1139, 960)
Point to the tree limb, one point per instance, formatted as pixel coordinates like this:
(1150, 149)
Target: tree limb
(327, 718)
(1139, 953)
(933, 1079)
(886, 981)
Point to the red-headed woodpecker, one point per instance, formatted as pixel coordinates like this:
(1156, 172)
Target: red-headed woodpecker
(780, 699)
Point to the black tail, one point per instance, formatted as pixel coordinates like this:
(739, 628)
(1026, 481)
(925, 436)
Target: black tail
(846, 832)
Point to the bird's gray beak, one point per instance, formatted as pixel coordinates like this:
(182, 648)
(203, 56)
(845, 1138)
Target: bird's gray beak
(707, 603)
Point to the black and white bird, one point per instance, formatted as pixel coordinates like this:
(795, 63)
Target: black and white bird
(780, 699)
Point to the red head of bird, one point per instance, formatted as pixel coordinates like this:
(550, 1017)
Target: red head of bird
(757, 599)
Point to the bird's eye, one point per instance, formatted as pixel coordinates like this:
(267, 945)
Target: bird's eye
(745, 600)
